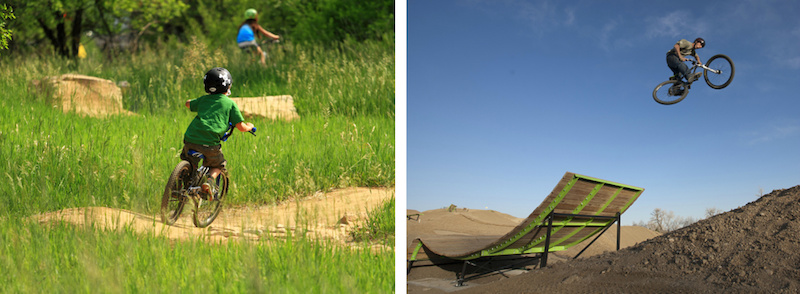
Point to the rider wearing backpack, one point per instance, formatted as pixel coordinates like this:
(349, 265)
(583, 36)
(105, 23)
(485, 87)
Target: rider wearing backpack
(677, 55)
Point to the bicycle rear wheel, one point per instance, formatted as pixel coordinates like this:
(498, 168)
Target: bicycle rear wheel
(669, 93)
(206, 211)
(724, 76)
(174, 198)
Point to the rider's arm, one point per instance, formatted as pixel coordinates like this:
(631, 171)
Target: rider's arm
(244, 127)
(678, 52)
(187, 103)
(697, 57)
(266, 33)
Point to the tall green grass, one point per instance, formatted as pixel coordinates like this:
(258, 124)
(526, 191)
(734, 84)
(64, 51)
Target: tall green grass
(378, 226)
(344, 138)
(70, 259)
(65, 160)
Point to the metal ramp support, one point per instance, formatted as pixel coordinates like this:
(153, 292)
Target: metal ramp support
(616, 218)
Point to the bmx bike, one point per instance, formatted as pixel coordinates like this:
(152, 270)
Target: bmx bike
(718, 73)
(183, 186)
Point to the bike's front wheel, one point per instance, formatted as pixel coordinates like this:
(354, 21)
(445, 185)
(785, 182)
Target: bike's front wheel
(174, 198)
(670, 92)
(206, 211)
(722, 71)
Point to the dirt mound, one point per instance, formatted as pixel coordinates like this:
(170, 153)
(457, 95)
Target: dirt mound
(272, 107)
(752, 249)
(317, 216)
(83, 94)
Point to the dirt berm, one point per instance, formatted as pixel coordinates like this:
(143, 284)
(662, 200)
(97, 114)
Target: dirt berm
(330, 216)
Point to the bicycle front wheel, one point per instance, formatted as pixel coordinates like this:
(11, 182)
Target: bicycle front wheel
(174, 198)
(669, 92)
(206, 211)
(722, 73)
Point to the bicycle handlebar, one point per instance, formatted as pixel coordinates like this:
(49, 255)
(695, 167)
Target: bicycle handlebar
(229, 132)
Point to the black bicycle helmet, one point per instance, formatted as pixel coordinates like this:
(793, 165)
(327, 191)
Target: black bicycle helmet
(701, 41)
(217, 80)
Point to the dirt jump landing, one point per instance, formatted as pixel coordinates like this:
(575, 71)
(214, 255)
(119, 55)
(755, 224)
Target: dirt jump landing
(319, 216)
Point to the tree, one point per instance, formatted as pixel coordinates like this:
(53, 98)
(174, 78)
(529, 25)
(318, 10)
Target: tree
(5, 34)
(666, 221)
(62, 22)
(712, 211)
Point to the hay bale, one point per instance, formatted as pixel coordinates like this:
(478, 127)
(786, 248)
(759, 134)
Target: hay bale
(272, 107)
(82, 94)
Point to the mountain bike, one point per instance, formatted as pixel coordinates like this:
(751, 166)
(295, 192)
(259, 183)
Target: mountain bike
(718, 73)
(183, 186)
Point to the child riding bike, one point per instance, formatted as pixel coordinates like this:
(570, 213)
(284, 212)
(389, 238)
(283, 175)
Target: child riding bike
(214, 112)
(248, 31)
(677, 55)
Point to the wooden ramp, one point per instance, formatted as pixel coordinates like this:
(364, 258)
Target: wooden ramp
(578, 208)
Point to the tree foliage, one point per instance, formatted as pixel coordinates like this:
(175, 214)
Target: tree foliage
(5, 34)
(62, 23)
(116, 25)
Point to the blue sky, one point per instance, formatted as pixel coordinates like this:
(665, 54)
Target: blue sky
(503, 97)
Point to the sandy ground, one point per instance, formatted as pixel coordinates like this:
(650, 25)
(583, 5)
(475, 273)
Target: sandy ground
(751, 249)
(328, 216)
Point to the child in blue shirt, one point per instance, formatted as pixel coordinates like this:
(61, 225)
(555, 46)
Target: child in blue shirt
(248, 31)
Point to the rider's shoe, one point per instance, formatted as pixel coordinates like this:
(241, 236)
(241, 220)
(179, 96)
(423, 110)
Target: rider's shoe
(694, 76)
(210, 188)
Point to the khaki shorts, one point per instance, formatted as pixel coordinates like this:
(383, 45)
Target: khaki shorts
(213, 155)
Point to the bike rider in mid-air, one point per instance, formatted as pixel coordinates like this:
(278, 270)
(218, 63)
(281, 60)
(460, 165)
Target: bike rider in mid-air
(677, 55)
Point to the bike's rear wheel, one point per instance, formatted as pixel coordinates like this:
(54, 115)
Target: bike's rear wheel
(206, 211)
(724, 66)
(668, 93)
(174, 198)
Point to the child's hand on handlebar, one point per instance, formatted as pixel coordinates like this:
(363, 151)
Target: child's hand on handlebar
(245, 127)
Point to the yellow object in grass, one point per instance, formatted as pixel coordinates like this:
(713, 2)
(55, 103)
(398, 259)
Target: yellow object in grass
(81, 52)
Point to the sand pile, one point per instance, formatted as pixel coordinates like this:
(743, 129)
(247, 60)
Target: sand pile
(752, 249)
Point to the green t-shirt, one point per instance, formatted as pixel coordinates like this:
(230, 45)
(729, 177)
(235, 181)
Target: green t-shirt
(687, 48)
(213, 114)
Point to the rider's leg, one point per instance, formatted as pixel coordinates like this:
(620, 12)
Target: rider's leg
(214, 172)
(262, 55)
(216, 162)
(679, 68)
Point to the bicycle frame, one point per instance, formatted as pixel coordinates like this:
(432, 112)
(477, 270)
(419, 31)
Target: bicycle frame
(703, 66)
(180, 188)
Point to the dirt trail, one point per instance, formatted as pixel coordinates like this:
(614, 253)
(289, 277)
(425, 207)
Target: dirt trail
(319, 215)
